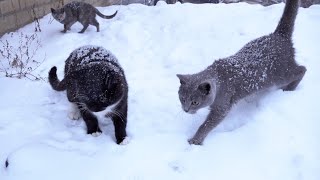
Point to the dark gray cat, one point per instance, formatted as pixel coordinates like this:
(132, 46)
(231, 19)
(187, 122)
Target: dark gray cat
(95, 84)
(78, 11)
(261, 64)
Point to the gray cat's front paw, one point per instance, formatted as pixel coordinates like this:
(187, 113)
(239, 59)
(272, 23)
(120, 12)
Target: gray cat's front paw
(195, 141)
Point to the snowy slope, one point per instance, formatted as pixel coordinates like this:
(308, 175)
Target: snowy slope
(275, 138)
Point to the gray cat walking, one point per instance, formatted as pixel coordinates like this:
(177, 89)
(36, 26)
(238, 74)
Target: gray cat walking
(266, 62)
(78, 11)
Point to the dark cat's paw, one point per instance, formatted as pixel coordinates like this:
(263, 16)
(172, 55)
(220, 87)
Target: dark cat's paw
(95, 133)
(63, 31)
(53, 71)
(195, 141)
(123, 141)
(74, 113)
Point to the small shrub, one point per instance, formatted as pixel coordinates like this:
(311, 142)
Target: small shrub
(19, 61)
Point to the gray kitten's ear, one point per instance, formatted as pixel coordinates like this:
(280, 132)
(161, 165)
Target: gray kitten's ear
(183, 78)
(205, 88)
(53, 11)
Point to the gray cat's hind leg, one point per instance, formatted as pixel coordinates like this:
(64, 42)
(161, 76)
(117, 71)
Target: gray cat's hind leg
(96, 24)
(301, 70)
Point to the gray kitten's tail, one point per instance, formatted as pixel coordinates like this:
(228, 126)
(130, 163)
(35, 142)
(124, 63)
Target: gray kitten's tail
(286, 24)
(104, 16)
(54, 81)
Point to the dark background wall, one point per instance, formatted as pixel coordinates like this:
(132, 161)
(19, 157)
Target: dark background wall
(17, 13)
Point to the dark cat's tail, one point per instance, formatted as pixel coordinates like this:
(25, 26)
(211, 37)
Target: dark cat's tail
(286, 24)
(104, 16)
(54, 81)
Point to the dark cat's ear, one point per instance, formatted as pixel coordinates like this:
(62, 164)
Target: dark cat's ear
(205, 88)
(182, 78)
(53, 11)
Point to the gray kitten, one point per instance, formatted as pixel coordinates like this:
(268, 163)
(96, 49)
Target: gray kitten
(78, 11)
(266, 62)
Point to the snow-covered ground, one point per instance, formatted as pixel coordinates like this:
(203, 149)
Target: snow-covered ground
(275, 138)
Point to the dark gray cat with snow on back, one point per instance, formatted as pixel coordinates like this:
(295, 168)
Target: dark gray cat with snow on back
(263, 63)
(95, 84)
(78, 11)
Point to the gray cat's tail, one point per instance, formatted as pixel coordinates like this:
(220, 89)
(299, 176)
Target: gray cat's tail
(104, 16)
(54, 81)
(286, 24)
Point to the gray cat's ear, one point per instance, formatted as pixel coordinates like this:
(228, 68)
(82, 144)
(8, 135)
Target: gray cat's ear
(53, 11)
(205, 88)
(182, 78)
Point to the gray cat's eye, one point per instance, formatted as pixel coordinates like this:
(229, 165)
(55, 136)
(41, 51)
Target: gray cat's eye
(195, 103)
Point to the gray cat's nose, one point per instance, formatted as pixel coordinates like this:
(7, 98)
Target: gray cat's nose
(186, 109)
(189, 111)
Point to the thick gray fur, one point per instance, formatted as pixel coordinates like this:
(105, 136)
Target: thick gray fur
(78, 11)
(94, 81)
(266, 62)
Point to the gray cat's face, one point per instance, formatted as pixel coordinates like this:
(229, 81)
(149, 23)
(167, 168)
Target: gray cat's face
(195, 94)
(58, 15)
